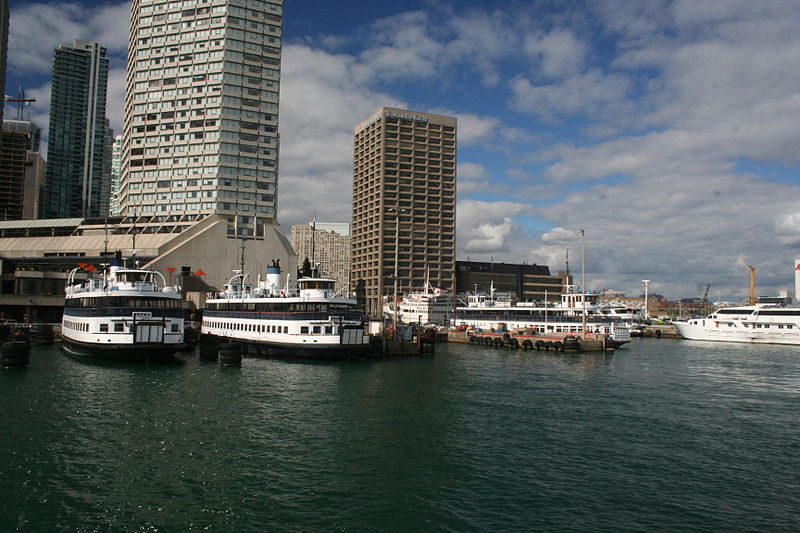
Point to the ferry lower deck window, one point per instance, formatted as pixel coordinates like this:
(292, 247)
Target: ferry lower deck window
(103, 328)
(328, 330)
(303, 329)
(119, 326)
(317, 329)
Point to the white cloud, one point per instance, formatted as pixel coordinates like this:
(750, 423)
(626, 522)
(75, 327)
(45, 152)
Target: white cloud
(560, 52)
(37, 29)
(321, 103)
(488, 227)
(591, 92)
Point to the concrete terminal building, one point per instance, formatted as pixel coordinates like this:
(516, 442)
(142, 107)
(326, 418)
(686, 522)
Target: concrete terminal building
(37, 255)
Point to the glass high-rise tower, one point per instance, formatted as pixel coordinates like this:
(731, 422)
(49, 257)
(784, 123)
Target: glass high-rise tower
(75, 178)
(201, 113)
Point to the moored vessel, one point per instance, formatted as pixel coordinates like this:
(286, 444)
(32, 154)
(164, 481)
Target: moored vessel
(128, 314)
(310, 320)
(576, 314)
(757, 324)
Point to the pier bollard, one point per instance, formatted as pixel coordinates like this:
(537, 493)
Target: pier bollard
(207, 347)
(44, 334)
(15, 354)
(190, 338)
(571, 344)
(230, 354)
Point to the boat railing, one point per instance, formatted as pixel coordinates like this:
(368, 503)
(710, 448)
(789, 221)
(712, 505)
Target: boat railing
(530, 318)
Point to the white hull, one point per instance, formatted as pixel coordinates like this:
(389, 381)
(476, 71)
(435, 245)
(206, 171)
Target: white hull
(325, 338)
(702, 332)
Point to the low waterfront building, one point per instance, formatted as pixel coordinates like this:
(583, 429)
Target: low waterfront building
(524, 282)
(37, 255)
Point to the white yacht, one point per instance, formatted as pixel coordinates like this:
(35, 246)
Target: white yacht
(429, 306)
(485, 312)
(760, 324)
(125, 314)
(310, 320)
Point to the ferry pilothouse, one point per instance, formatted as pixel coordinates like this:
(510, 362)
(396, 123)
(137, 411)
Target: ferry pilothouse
(756, 324)
(311, 320)
(124, 314)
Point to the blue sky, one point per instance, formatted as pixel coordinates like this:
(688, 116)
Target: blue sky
(668, 130)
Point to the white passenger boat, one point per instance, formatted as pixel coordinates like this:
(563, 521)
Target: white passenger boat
(310, 320)
(483, 312)
(428, 306)
(124, 314)
(758, 324)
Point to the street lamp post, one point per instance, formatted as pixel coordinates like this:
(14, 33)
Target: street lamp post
(583, 278)
(646, 311)
(396, 258)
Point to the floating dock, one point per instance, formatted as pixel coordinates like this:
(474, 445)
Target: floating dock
(585, 343)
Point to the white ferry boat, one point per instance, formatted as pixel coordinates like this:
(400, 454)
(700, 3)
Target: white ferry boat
(310, 321)
(125, 314)
(758, 324)
(483, 312)
(429, 306)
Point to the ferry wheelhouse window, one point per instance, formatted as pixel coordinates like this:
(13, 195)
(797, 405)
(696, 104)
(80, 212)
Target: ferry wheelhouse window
(103, 328)
(317, 329)
(303, 329)
(317, 284)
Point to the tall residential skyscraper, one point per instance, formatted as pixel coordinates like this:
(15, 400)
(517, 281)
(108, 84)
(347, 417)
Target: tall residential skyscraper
(76, 144)
(404, 197)
(201, 112)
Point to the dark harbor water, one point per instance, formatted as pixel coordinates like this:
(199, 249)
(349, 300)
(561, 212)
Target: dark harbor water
(662, 436)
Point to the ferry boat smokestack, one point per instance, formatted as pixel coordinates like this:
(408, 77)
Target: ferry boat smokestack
(117, 262)
(274, 278)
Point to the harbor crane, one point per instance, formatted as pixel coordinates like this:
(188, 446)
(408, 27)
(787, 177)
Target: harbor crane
(21, 100)
(705, 295)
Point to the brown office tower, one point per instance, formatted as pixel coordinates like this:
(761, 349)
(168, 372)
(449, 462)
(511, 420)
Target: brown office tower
(404, 197)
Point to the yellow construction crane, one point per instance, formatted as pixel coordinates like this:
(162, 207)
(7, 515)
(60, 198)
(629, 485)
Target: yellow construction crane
(752, 284)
